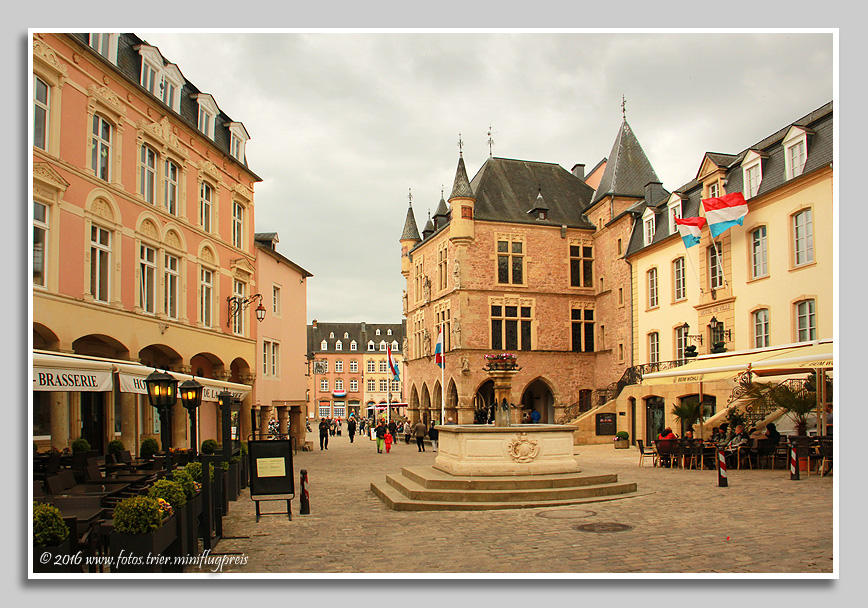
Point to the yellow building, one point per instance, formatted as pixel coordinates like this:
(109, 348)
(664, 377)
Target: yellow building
(757, 287)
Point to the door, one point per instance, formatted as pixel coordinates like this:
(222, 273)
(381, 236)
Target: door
(93, 421)
(655, 420)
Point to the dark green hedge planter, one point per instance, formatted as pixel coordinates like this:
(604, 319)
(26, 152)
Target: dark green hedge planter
(140, 546)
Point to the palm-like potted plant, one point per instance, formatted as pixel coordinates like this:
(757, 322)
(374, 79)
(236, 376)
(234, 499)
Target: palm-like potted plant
(798, 403)
(687, 413)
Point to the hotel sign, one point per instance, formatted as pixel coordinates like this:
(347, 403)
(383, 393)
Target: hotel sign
(130, 383)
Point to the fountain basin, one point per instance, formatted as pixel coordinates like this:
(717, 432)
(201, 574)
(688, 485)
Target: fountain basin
(523, 449)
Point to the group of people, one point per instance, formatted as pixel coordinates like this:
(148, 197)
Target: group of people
(386, 434)
(723, 437)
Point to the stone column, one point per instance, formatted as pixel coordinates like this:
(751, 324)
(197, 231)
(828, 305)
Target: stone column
(502, 379)
(265, 418)
(180, 424)
(59, 420)
(74, 416)
(283, 419)
(129, 415)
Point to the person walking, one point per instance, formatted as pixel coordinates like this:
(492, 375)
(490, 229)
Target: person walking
(351, 428)
(433, 434)
(323, 434)
(393, 429)
(339, 425)
(388, 441)
(380, 433)
(419, 431)
(408, 432)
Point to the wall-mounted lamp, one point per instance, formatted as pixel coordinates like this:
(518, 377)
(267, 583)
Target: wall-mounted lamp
(238, 305)
(695, 338)
(717, 330)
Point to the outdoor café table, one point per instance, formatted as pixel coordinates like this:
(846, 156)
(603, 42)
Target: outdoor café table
(95, 489)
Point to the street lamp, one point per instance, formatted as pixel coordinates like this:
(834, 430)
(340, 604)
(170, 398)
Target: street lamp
(191, 399)
(162, 393)
(237, 305)
(719, 336)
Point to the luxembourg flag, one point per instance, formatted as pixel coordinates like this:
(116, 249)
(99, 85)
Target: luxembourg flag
(392, 366)
(439, 359)
(689, 228)
(724, 212)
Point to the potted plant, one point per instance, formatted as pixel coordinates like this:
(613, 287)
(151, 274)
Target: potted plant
(115, 446)
(209, 446)
(51, 539)
(192, 491)
(622, 440)
(500, 361)
(149, 448)
(173, 492)
(80, 445)
(142, 526)
(687, 413)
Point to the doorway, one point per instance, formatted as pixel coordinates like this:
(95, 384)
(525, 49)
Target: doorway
(93, 420)
(655, 418)
(483, 412)
(538, 396)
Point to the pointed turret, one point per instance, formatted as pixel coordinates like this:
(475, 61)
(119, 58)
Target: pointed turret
(462, 205)
(409, 238)
(461, 187)
(627, 170)
(428, 230)
(441, 214)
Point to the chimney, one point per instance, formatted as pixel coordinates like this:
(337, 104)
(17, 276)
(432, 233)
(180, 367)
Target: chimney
(653, 190)
(579, 171)
(313, 324)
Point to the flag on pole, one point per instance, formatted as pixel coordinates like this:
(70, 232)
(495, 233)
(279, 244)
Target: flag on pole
(689, 228)
(393, 367)
(439, 359)
(724, 212)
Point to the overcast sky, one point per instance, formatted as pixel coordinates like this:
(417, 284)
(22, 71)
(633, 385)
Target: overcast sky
(344, 125)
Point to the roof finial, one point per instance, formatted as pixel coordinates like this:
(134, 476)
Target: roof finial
(441, 190)
(460, 145)
(411, 197)
(490, 143)
(624, 106)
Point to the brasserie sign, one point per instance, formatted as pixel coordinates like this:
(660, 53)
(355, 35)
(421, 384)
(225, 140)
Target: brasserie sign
(47, 379)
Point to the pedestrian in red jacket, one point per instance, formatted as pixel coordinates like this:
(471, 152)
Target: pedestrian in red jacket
(388, 439)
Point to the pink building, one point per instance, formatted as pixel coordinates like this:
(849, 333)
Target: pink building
(142, 242)
(281, 382)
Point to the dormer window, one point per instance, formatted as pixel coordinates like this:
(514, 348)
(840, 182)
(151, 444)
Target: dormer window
(106, 44)
(674, 212)
(353, 345)
(237, 140)
(713, 190)
(371, 345)
(378, 332)
(795, 151)
(163, 81)
(394, 345)
(207, 114)
(332, 335)
(383, 345)
(339, 345)
(324, 345)
(647, 226)
(346, 335)
(752, 170)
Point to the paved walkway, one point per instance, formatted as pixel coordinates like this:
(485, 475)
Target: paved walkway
(681, 521)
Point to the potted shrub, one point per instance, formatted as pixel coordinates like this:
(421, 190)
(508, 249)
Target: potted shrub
(173, 492)
(622, 440)
(80, 445)
(149, 448)
(209, 446)
(50, 536)
(192, 491)
(142, 525)
(688, 414)
(115, 446)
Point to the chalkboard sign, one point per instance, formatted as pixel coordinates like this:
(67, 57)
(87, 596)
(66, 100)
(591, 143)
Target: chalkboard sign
(606, 424)
(270, 467)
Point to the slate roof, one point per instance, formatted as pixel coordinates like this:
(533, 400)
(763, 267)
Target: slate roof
(820, 153)
(461, 186)
(129, 63)
(506, 189)
(627, 170)
(360, 332)
(411, 232)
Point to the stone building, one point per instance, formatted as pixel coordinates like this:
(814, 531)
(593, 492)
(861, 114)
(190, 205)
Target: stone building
(525, 258)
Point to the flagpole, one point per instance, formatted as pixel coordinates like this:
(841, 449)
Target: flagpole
(443, 389)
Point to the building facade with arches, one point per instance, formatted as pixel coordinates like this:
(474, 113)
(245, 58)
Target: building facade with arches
(142, 232)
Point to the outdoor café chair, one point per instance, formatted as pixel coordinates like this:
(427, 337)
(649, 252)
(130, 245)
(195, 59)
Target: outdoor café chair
(643, 452)
(826, 453)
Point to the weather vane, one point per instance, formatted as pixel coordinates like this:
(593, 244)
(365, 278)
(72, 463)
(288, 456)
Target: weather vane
(490, 143)
(460, 144)
(624, 106)
(411, 197)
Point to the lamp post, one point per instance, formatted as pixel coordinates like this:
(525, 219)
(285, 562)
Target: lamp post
(162, 394)
(191, 399)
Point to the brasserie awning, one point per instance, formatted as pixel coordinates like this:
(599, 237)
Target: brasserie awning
(58, 372)
(794, 359)
(131, 377)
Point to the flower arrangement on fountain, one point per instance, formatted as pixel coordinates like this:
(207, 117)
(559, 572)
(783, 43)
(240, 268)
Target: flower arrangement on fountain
(501, 361)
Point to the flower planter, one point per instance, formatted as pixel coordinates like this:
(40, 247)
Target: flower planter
(58, 560)
(622, 444)
(130, 552)
(181, 546)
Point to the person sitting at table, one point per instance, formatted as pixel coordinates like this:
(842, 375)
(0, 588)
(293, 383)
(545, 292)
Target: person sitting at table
(688, 434)
(721, 437)
(665, 445)
(772, 434)
(738, 439)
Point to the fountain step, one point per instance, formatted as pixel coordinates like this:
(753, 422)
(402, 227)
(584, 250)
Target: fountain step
(404, 493)
(432, 478)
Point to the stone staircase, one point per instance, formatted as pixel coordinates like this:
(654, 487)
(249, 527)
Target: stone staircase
(429, 489)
